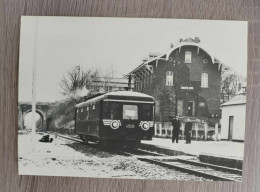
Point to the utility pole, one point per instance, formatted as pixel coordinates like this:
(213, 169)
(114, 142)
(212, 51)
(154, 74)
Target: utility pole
(175, 63)
(130, 82)
(34, 83)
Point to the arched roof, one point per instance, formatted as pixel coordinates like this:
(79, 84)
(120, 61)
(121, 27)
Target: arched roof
(115, 93)
(185, 42)
(198, 45)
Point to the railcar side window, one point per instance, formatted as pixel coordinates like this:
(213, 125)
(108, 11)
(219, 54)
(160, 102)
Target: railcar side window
(147, 112)
(87, 113)
(130, 112)
(77, 114)
(90, 112)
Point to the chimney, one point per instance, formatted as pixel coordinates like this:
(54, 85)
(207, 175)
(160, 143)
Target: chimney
(153, 54)
(145, 59)
(197, 39)
(172, 45)
(181, 40)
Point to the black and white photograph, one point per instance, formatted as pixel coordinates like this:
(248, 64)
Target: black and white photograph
(132, 98)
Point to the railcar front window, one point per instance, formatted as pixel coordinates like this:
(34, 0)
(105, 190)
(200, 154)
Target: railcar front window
(115, 111)
(130, 112)
(147, 112)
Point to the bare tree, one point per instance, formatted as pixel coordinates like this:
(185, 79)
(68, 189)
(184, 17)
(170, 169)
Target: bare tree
(228, 87)
(77, 83)
(74, 85)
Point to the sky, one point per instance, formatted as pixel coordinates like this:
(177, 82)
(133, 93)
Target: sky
(58, 44)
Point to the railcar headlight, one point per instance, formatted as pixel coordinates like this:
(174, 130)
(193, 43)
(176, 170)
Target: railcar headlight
(114, 124)
(145, 125)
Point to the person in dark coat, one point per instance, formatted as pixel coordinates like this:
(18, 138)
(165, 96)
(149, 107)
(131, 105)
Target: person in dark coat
(176, 124)
(46, 139)
(187, 131)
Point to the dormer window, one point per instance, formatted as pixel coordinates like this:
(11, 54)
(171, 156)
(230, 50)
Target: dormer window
(187, 57)
(169, 78)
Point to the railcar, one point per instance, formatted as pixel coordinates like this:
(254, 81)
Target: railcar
(116, 116)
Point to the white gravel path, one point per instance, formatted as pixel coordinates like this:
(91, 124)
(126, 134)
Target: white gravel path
(68, 158)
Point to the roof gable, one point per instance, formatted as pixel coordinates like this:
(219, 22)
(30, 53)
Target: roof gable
(237, 100)
(190, 40)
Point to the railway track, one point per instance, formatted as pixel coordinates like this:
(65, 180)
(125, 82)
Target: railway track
(205, 170)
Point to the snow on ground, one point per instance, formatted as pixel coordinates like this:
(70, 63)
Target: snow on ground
(216, 148)
(69, 158)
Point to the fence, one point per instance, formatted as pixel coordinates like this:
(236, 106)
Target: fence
(200, 131)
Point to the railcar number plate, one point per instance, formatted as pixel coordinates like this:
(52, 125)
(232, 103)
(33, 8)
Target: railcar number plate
(130, 126)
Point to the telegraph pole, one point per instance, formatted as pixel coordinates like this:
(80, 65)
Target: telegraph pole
(175, 63)
(34, 83)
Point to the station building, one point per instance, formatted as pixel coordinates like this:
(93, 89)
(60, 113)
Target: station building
(234, 117)
(185, 81)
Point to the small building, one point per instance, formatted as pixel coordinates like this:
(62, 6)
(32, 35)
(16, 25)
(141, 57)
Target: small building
(104, 85)
(233, 118)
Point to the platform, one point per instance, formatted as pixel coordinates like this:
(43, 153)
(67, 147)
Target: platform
(226, 153)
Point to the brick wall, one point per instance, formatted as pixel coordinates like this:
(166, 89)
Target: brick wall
(185, 75)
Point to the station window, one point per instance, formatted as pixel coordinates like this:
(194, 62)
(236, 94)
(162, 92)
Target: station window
(169, 78)
(204, 80)
(187, 57)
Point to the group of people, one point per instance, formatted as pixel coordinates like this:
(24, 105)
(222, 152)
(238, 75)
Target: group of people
(176, 130)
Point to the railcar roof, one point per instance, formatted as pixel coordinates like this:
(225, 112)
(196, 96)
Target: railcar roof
(115, 93)
(128, 93)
